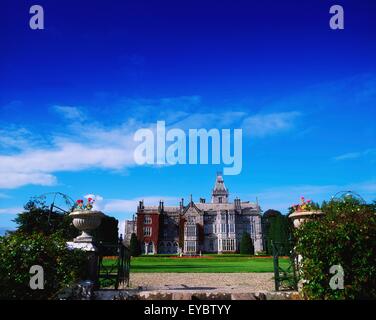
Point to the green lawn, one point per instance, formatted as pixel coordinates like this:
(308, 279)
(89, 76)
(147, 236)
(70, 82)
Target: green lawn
(208, 263)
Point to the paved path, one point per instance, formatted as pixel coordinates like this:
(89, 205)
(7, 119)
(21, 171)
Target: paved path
(235, 281)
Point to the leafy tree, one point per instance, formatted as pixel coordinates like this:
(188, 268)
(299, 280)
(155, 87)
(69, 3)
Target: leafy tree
(19, 251)
(134, 245)
(276, 229)
(37, 217)
(107, 231)
(345, 236)
(246, 245)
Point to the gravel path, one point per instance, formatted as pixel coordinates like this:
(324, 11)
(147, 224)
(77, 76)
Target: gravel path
(242, 281)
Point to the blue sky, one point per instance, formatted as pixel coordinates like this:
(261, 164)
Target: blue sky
(72, 96)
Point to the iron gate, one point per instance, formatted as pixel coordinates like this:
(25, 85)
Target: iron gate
(285, 278)
(113, 265)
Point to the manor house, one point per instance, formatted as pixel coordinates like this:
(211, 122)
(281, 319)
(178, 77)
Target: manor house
(214, 227)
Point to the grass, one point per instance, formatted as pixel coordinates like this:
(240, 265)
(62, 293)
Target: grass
(230, 263)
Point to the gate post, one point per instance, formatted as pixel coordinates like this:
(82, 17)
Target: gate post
(275, 265)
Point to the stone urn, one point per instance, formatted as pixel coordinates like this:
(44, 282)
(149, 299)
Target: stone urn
(86, 221)
(298, 217)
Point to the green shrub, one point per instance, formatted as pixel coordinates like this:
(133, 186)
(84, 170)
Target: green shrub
(345, 236)
(20, 251)
(134, 246)
(246, 246)
(276, 229)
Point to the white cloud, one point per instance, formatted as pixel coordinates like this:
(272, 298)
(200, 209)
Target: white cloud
(355, 155)
(262, 125)
(92, 145)
(10, 180)
(70, 113)
(12, 210)
(103, 149)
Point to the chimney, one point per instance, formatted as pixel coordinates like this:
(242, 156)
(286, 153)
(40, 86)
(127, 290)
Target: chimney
(237, 203)
(140, 205)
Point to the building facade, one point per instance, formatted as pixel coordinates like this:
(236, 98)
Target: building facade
(214, 227)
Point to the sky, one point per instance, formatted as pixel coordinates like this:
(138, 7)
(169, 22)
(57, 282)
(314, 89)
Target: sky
(73, 95)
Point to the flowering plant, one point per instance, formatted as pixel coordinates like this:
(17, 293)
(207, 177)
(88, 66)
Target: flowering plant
(80, 204)
(304, 205)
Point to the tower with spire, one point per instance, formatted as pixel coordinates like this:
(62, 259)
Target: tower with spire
(220, 192)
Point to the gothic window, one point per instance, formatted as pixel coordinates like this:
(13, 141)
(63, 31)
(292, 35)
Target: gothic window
(220, 199)
(190, 246)
(191, 231)
(147, 220)
(147, 231)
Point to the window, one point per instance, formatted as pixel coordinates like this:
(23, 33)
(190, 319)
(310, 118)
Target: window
(147, 231)
(190, 246)
(228, 245)
(223, 227)
(191, 231)
(220, 199)
(147, 220)
(231, 227)
(191, 219)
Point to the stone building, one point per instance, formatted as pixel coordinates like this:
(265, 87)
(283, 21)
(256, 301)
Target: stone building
(214, 227)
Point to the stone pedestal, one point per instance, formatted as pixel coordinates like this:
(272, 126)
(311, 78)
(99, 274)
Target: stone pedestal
(86, 221)
(92, 259)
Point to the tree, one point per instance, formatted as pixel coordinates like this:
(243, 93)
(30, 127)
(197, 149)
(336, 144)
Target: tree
(134, 246)
(345, 236)
(107, 232)
(276, 229)
(37, 217)
(246, 245)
